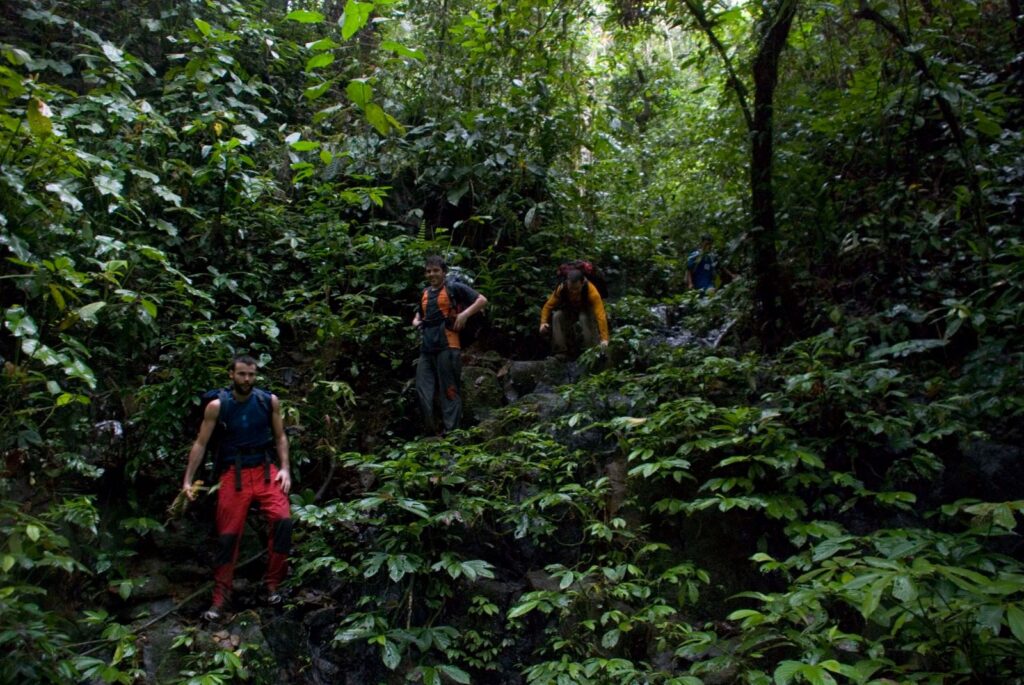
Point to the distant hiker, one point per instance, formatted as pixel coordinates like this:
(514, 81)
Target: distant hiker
(574, 300)
(247, 420)
(444, 307)
(702, 267)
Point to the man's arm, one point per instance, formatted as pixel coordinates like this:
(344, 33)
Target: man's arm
(545, 311)
(478, 304)
(195, 455)
(597, 307)
(284, 475)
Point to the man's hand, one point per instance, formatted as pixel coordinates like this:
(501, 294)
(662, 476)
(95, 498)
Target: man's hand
(284, 480)
(544, 328)
(416, 320)
(604, 344)
(191, 490)
(460, 322)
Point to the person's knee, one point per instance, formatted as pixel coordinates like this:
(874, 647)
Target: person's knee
(225, 549)
(282, 536)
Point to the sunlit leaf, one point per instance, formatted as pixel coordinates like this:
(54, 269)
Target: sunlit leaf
(359, 92)
(89, 311)
(107, 185)
(313, 92)
(318, 61)
(65, 196)
(400, 49)
(304, 16)
(355, 17)
(39, 117)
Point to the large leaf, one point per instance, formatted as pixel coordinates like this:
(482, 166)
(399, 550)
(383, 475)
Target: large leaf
(1015, 619)
(65, 195)
(359, 92)
(318, 61)
(355, 17)
(304, 16)
(107, 185)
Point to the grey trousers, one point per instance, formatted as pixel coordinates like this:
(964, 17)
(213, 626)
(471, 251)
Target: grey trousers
(563, 330)
(441, 371)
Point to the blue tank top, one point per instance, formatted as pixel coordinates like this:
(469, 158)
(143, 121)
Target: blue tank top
(246, 428)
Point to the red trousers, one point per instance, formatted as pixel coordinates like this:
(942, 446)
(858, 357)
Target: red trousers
(232, 507)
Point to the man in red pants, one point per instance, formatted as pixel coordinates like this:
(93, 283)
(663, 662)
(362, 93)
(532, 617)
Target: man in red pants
(251, 433)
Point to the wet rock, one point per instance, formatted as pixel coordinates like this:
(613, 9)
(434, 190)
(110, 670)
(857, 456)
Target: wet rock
(544, 405)
(161, 663)
(989, 471)
(481, 391)
(525, 377)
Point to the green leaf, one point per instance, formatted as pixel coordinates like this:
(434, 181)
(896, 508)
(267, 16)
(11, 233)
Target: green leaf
(903, 589)
(153, 253)
(304, 145)
(113, 53)
(872, 597)
(39, 116)
(359, 92)
(88, 312)
(785, 672)
(322, 44)
(313, 92)
(390, 654)
(375, 115)
(355, 17)
(456, 674)
(400, 49)
(167, 195)
(107, 185)
(16, 56)
(524, 608)
(204, 28)
(455, 194)
(1015, 619)
(987, 125)
(32, 531)
(318, 61)
(304, 17)
(65, 196)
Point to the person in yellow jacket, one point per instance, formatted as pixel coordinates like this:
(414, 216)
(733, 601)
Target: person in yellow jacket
(574, 300)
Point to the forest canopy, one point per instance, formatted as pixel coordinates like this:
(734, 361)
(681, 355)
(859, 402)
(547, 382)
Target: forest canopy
(812, 474)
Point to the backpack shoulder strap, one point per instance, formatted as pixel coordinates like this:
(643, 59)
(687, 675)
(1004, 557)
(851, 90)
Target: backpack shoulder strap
(453, 306)
(226, 404)
(265, 398)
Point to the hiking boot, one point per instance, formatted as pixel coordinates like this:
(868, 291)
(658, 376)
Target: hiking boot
(213, 614)
(275, 598)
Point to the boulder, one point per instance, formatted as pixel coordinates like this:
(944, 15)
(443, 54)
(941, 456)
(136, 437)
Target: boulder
(481, 392)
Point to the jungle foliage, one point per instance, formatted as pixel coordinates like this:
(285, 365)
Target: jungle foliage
(830, 494)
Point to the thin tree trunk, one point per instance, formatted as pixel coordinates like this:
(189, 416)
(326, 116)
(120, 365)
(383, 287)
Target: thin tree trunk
(764, 233)
(767, 292)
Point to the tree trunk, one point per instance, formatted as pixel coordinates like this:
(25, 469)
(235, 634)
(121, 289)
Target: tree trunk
(767, 304)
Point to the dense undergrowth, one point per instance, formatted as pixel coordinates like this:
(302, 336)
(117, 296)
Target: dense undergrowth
(183, 180)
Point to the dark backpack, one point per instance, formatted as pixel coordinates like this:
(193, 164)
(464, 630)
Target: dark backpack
(589, 271)
(474, 325)
(195, 420)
